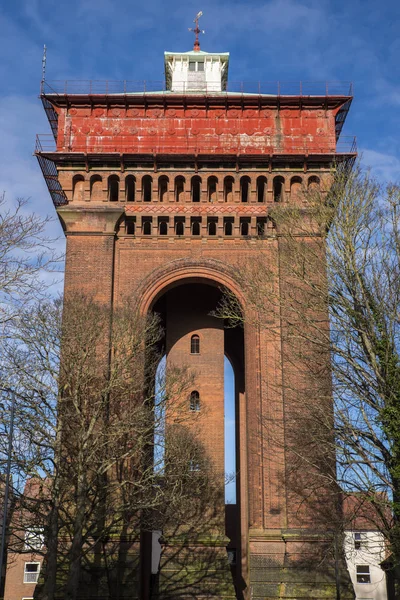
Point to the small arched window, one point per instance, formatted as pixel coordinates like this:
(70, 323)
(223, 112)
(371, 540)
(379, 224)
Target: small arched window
(78, 188)
(212, 227)
(96, 188)
(179, 228)
(196, 188)
(195, 344)
(278, 188)
(179, 188)
(194, 401)
(261, 189)
(130, 188)
(163, 227)
(196, 228)
(212, 189)
(228, 189)
(113, 188)
(146, 227)
(162, 188)
(228, 227)
(245, 188)
(147, 183)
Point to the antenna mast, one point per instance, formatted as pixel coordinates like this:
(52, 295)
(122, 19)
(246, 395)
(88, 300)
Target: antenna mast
(43, 66)
(196, 31)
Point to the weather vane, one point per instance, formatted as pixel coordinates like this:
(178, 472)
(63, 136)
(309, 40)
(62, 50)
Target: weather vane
(196, 31)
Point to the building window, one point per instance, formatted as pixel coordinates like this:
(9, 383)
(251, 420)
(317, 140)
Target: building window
(192, 65)
(130, 188)
(357, 540)
(228, 226)
(31, 572)
(179, 227)
(195, 344)
(113, 188)
(196, 188)
(363, 574)
(278, 188)
(147, 183)
(34, 539)
(146, 226)
(195, 227)
(212, 227)
(194, 401)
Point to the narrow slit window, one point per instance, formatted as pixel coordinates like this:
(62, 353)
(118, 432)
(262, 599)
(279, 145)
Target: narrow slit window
(146, 188)
(195, 344)
(196, 228)
(228, 227)
(212, 227)
(194, 401)
(113, 188)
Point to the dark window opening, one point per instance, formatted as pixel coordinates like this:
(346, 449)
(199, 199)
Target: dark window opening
(278, 189)
(228, 189)
(212, 189)
(212, 227)
(363, 574)
(96, 188)
(163, 227)
(146, 188)
(130, 189)
(195, 227)
(192, 65)
(200, 66)
(196, 189)
(146, 226)
(195, 344)
(113, 188)
(179, 228)
(244, 227)
(245, 189)
(130, 227)
(162, 189)
(261, 226)
(194, 401)
(357, 541)
(228, 227)
(261, 189)
(179, 187)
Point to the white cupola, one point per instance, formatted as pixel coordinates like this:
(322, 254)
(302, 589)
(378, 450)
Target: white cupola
(196, 71)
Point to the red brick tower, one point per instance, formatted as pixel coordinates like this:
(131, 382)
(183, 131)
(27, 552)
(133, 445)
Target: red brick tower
(162, 190)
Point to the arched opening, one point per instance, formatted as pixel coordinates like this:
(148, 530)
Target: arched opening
(261, 189)
(163, 227)
(212, 226)
(147, 184)
(163, 188)
(244, 226)
(194, 401)
(130, 184)
(279, 183)
(78, 185)
(245, 188)
(228, 189)
(212, 189)
(96, 188)
(179, 226)
(214, 399)
(195, 344)
(196, 226)
(196, 188)
(228, 225)
(146, 225)
(113, 188)
(179, 188)
(313, 183)
(295, 188)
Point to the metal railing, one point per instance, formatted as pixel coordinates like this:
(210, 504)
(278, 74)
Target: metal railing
(124, 87)
(127, 145)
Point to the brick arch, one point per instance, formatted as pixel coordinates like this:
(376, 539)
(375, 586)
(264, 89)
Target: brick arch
(212, 272)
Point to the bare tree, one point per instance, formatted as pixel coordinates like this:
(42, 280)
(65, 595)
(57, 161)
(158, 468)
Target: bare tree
(336, 253)
(91, 421)
(26, 253)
